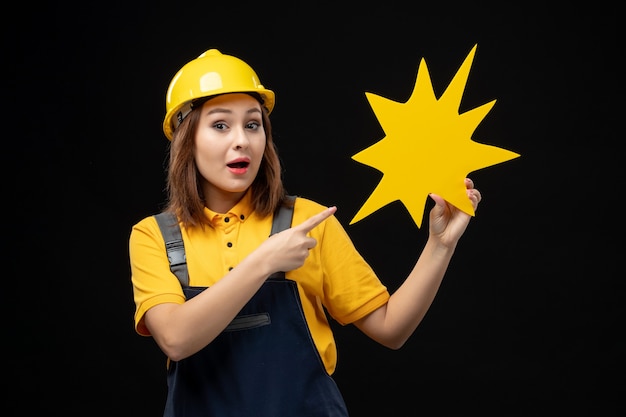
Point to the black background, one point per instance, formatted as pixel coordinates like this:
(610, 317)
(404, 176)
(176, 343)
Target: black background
(529, 320)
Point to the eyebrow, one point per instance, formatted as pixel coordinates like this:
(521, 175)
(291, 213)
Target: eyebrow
(223, 110)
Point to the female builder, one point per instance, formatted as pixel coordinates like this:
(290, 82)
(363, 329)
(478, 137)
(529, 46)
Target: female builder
(241, 339)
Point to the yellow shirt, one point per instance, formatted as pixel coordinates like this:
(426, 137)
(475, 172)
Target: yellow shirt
(334, 278)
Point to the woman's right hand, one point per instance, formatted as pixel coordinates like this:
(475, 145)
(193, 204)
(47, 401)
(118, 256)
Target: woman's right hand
(287, 250)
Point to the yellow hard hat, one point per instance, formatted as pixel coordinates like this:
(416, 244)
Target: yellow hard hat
(210, 74)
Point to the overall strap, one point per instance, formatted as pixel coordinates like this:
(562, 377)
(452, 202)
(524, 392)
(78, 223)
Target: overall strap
(282, 219)
(176, 248)
(174, 245)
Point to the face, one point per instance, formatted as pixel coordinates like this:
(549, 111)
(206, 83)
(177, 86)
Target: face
(230, 141)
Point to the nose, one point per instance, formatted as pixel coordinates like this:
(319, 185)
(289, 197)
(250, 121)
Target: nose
(240, 139)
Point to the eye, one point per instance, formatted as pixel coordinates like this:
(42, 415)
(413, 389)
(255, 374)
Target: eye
(219, 125)
(253, 125)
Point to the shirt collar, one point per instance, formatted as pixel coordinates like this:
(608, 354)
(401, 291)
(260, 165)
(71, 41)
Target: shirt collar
(241, 211)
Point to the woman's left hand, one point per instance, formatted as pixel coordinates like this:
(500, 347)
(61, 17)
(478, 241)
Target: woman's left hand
(446, 222)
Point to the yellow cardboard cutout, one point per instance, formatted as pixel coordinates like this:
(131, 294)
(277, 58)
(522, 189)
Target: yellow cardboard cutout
(428, 146)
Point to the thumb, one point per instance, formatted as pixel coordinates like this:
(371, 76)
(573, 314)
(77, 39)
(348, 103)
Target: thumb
(440, 205)
(439, 201)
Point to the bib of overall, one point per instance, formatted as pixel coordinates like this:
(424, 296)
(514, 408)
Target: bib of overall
(264, 364)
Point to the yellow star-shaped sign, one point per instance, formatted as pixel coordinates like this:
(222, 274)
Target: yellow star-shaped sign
(428, 146)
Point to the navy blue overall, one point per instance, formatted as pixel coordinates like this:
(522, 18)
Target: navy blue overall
(264, 364)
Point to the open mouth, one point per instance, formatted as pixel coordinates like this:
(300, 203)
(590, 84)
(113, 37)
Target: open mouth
(239, 164)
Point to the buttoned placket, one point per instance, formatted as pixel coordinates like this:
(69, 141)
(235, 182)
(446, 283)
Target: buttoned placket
(230, 228)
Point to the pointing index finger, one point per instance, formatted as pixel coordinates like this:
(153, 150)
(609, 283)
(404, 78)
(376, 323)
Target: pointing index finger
(316, 219)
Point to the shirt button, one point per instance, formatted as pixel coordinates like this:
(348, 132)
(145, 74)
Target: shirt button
(226, 219)
(241, 217)
(229, 244)
(230, 268)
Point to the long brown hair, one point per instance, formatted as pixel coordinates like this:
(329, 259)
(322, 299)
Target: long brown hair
(185, 197)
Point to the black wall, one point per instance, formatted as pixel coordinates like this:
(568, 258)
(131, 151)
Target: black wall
(529, 320)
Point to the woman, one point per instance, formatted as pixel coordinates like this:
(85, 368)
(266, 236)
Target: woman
(241, 338)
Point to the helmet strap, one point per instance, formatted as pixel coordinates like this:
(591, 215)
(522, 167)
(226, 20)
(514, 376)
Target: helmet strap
(181, 114)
